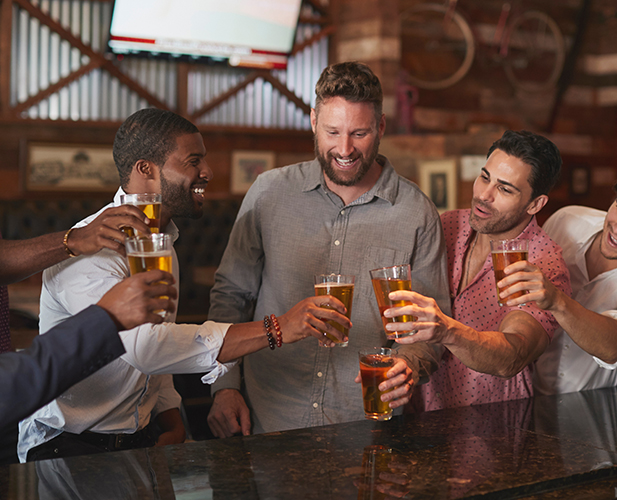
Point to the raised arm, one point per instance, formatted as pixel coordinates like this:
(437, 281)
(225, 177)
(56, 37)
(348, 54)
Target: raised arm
(503, 353)
(23, 258)
(594, 333)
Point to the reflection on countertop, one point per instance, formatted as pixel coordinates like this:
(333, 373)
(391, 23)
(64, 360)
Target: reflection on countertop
(543, 448)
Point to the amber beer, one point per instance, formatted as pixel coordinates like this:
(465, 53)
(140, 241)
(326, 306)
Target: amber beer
(374, 364)
(341, 287)
(504, 253)
(149, 204)
(142, 262)
(145, 253)
(392, 279)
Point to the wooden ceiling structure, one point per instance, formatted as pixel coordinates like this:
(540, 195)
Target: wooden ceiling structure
(319, 14)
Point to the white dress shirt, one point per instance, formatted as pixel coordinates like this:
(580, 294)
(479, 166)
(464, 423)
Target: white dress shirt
(564, 366)
(123, 396)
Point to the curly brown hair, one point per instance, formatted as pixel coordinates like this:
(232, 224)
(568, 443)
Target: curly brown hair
(353, 81)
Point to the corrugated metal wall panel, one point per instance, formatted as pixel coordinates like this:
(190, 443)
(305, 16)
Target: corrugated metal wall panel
(40, 58)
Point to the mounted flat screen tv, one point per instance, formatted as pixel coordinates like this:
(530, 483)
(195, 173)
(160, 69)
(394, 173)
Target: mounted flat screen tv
(250, 33)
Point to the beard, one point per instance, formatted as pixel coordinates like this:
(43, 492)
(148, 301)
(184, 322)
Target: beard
(497, 223)
(339, 178)
(179, 201)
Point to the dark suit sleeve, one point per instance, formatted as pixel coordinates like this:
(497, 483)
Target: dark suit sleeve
(60, 358)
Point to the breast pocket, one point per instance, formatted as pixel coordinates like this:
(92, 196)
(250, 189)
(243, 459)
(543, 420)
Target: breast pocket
(374, 258)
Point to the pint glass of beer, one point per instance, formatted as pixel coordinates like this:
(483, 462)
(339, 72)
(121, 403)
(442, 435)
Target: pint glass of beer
(391, 279)
(339, 286)
(146, 253)
(374, 364)
(504, 253)
(149, 204)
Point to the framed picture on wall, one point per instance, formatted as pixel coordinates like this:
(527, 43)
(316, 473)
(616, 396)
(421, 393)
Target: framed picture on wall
(70, 167)
(246, 166)
(438, 182)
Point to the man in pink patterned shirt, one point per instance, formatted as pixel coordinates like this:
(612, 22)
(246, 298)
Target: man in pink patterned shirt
(489, 349)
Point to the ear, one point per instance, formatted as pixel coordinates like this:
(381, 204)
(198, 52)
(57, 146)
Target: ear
(313, 119)
(145, 170)
(538, 204)
(382, 125)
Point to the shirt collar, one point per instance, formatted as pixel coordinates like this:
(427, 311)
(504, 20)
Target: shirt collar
(171, 228)
(385, 188)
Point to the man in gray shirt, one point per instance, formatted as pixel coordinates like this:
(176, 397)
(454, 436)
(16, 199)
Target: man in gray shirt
(346, 212)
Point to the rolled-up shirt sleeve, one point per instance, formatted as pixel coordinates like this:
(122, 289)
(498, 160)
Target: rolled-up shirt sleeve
(177, 348)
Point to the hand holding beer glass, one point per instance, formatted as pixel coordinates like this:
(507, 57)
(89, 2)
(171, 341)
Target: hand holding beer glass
(392, 279)
(146, 253)
(149, 204)
(374, 365)
(340, 286)
(504, 253)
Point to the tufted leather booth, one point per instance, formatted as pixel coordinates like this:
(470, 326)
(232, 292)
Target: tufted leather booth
(200, 246)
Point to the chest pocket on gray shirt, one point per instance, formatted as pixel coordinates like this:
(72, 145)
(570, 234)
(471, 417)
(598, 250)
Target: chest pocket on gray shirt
(374, 258)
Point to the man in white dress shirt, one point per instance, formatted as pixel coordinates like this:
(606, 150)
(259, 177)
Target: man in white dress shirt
(583, 353)
(132, 403)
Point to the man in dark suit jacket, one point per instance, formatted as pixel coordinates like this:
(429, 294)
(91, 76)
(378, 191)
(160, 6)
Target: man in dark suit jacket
(22, 258)
(79, 346)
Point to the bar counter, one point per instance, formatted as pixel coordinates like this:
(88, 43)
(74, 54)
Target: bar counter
(547, 447)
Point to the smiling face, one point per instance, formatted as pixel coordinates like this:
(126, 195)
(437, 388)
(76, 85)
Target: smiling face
(608, 243)
(184, 177)
(347, 140)
(502, 204)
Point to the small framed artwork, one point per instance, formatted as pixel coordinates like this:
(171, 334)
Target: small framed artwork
(579, 180)
(70, 167)
(438, 182)
(471, 166)
(246, 166)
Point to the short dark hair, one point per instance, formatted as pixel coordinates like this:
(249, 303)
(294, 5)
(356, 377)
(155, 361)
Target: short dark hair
(148, 134)
(538, 152)
(353, 81)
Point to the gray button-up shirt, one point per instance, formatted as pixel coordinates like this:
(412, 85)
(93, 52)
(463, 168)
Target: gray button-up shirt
(291, 227)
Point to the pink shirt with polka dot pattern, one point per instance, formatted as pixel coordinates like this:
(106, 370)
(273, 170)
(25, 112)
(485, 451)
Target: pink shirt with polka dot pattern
(453, 384)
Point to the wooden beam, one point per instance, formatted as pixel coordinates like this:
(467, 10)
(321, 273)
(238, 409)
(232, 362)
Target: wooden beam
(276, 83)
(182, 87)
(326, 31)
(88, 51)
(6, 22)
(251, 77)
(52, 89)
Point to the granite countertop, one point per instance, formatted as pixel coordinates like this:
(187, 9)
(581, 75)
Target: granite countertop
(547, 447)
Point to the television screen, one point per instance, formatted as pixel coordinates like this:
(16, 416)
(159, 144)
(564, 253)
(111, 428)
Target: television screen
(252, 33)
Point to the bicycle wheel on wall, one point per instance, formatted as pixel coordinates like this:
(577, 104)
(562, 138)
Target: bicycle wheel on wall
(536, 52)
(436, 52)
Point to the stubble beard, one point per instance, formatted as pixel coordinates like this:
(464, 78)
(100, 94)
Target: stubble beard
(332, 174)
(496, 224)
(177, 201)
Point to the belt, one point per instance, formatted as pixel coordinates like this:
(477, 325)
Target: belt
(113, 442)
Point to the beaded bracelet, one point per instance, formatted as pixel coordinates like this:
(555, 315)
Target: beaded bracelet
(277, 329)
(271, 341)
